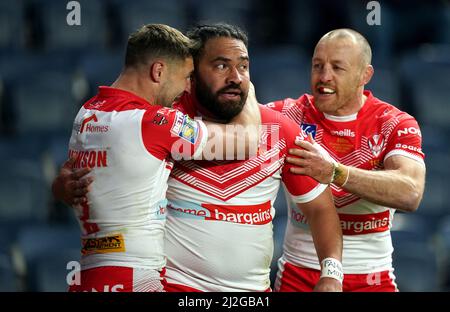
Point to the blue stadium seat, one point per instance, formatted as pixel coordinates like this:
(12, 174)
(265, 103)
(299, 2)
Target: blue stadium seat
(414, 257)
(7, 277)
(16, 69)
(100, 69)
(92, 33)
(444, 231)
(421, 22)
(278, 73)
(443, 243)
(425, 79)
(430, 53)
(8, 281)
(436, 196)
(435, 140)
(18, 65)
(12, 25)
(134, 14)
(51, 272)
(434, 204)
(415, 267)
(57, 149)
(22, 148)
(235, 12)
(380, 37)
(385, 86)
(45, 102)
(431, 96)
(25, 199)
(23, 191)
(446, 26)
(37, 244)
(411, 227)
(300, 20)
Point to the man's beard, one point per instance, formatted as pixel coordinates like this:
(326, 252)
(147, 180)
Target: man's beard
(222, 110)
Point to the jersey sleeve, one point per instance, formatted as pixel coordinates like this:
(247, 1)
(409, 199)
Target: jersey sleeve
(276, 105)
(301, 188)
(406, 140)
(292, 108)
(167, 131)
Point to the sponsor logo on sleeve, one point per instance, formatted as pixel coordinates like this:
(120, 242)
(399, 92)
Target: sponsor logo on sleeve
(409, 148)
(185, 128)
(160, 119)
(97, 104)
(410, 130)
(177, 123)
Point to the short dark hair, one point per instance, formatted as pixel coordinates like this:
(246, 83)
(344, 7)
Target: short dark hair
(200, 35)
(156, 40)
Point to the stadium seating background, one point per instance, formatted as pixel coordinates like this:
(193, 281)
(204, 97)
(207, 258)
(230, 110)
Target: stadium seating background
(48, 69)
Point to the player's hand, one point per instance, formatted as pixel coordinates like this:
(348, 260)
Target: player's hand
(314, 161)
(71, 186)
(250, 114)
(252, 101)
(327, 284)
(250, 118)
(251, 97)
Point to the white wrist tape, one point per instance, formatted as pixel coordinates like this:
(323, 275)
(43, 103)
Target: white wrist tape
(332, 268)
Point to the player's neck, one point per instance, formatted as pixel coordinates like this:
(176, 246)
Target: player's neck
(351, 108)
(133, 84)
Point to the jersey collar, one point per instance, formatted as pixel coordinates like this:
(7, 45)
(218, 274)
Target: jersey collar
(105, 91)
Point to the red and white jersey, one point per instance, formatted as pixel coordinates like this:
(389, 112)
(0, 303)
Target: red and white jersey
(363, 140)
(128, 142)
(219, 226)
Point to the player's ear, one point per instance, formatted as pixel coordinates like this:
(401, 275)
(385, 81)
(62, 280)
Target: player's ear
(367, 75)
(157, 71)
